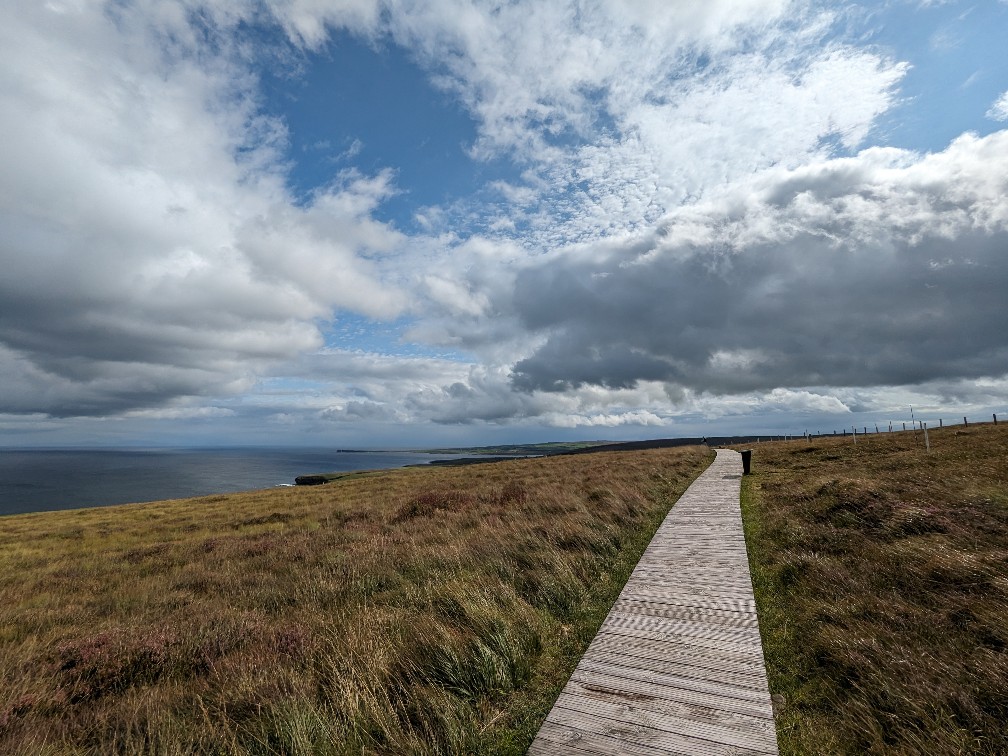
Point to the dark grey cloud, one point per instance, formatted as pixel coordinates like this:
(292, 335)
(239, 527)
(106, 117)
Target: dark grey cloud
(855, 273)
(481, 398)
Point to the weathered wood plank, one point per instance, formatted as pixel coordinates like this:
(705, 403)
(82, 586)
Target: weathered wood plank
(569, 737)
(730, 672)
(683, 676)
(677, 667)
(665, 687)
(728, 637)
(671, 718)
(685, 610)
(694, 650)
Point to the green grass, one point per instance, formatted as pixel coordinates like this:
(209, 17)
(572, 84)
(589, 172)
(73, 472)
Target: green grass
(423, 610)
(881, 578)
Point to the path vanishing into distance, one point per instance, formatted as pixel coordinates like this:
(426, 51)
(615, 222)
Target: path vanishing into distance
(677, 667)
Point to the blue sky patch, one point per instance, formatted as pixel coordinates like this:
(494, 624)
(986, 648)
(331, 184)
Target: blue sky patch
(959, 68)
(370, 108)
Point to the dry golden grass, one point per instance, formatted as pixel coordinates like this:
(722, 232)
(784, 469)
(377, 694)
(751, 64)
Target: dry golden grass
(428, 610)
(881, 574)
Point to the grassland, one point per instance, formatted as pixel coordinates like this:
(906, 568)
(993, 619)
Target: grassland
(418, 611)
(881, 576)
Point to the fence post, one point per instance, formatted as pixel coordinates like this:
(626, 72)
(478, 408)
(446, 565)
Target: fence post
(940, 422)
(927, 442)
(995, 418)
(746, 461)
(965, 423)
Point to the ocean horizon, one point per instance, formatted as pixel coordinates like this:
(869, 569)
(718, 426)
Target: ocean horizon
(38, 480)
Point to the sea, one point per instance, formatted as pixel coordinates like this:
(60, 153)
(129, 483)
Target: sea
(37, 480)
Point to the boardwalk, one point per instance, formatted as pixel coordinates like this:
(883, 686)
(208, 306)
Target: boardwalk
(677, 666)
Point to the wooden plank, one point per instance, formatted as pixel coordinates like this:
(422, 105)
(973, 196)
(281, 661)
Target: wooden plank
(699, 667)
(694, 650)
(716, 695)
(672, 609)
(684, 650)
(731, 638)
(656, 672)
(687, 596)
(677, 666)
(683, 720)
(572, 734)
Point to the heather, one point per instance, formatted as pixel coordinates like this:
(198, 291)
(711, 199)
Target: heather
(422, 610)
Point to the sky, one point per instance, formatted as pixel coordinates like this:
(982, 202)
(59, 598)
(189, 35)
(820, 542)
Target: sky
(390, 223)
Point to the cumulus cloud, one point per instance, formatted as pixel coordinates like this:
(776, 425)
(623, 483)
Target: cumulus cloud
(150, 248)
(880, 269)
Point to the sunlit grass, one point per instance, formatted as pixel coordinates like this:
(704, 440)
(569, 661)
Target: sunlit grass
(881, 574)
(428, 610)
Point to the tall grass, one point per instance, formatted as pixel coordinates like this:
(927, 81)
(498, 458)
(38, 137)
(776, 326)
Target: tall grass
(881, 577)
(416, 611)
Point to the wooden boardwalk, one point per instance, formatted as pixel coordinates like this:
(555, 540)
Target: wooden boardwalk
(677, 666)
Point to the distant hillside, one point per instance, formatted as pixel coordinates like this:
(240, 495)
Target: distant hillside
(522, 450)
(584, 447)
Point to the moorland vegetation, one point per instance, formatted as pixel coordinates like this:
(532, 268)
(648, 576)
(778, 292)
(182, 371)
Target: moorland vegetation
(881, 577)
(440, 610)
(422, 610)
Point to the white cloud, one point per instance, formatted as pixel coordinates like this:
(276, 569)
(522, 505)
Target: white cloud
(150, 248)
(623, 111)
(999, 110)
(634, 417)
(682, 242)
